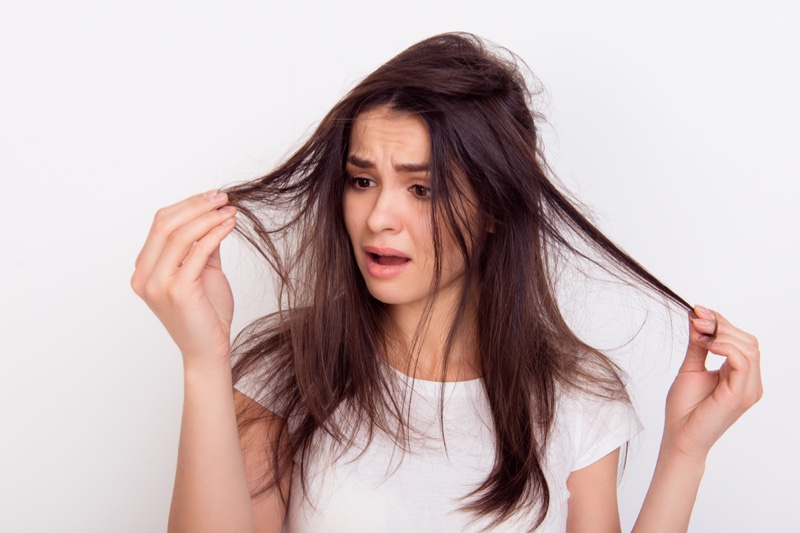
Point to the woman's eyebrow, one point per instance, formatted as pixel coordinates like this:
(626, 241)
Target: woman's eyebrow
(400, 167)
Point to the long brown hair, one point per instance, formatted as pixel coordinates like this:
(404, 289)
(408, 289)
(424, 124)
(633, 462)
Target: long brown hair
(318, 351)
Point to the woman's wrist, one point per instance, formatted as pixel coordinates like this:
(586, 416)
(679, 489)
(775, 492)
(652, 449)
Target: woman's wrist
(670, 453)
(199, 369)
(673, 490)
(684, 470)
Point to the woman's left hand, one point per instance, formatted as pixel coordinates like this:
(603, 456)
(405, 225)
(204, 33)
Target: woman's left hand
(701, 403)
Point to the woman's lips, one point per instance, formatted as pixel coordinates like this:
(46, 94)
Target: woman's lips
(385, 262)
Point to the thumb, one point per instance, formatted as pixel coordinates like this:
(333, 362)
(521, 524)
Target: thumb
(702, 330)
(214, 260)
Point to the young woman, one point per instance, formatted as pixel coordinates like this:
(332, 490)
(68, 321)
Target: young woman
(419, 375)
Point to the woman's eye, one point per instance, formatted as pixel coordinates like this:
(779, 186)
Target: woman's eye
(361, 183)
(421, 191)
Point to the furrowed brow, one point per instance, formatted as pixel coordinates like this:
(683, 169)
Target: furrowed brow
(412, 168)
(360, 163)
(408, 168)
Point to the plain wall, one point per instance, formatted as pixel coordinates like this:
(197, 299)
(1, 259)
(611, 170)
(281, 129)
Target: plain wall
(677, 122)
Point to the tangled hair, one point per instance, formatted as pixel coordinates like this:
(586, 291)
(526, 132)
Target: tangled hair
(320, 346)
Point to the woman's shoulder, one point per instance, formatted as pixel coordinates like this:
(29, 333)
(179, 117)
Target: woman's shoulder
(594, 422)
(261, 360)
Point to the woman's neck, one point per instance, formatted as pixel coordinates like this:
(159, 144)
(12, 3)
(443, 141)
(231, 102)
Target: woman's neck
(417, 344)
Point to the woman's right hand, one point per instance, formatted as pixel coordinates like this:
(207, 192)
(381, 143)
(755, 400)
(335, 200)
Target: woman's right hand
(179, 275)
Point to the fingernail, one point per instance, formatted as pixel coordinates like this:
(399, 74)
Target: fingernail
(702, 309)
(703, 322)
(215, 197)
(227, 210)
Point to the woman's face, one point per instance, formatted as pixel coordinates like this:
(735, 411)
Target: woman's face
(387, 211)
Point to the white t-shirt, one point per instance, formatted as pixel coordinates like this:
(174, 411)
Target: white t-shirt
(382, 488)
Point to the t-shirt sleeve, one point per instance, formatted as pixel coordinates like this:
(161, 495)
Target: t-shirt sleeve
(263, 383)
(251, 386)
(600, 427)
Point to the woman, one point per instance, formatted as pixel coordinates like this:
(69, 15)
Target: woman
(419, 375)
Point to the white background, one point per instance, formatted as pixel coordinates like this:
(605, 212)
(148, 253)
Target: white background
(678, 122)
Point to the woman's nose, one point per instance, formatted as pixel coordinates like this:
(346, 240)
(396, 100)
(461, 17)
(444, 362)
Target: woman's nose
(385, 213)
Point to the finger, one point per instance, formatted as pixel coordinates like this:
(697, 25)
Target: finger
(704, 326)
(741, 370)
(181, 241)
(744, 376)
(705, 315)
(716, 327)
(205, 252)
(697, 351)
(215, 260)
(170, 218)
(193, 203)
(728, 331)
(163, 215)
(745, 344)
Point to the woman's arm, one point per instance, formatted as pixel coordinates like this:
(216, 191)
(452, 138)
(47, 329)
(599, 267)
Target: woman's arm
(210, 492)
(257, 442)
(178, 274)
(701, 405)
(218, 468)
(592, 505)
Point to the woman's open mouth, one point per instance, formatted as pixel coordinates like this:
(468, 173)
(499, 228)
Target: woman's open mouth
(389, 259)
(385, 263)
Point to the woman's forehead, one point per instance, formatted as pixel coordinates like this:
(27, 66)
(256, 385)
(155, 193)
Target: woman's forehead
(383, 131)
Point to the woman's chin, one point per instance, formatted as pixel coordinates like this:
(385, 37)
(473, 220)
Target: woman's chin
(393, 298)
